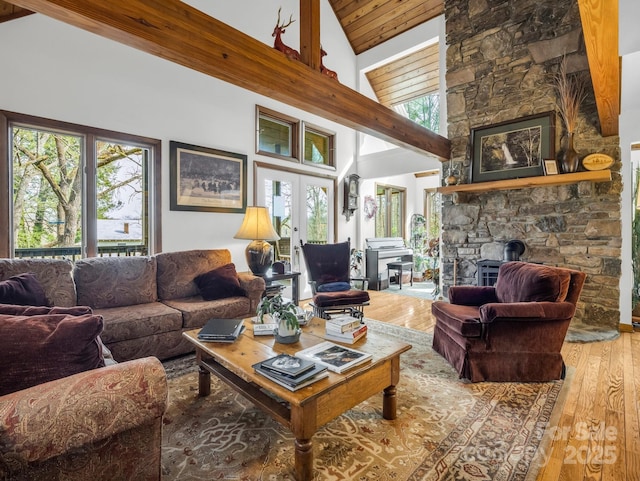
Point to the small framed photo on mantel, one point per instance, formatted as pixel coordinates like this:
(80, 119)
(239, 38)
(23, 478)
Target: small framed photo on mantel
(550, 167)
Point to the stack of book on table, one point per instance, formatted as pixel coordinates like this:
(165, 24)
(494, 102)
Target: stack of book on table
(221, 330)
(345, 328)
(335, 357)
(290, 371)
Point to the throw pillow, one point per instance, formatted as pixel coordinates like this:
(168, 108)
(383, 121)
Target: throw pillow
(219, 283)
(41, 348)
(334, 287)
(16, 310)
(23, 289)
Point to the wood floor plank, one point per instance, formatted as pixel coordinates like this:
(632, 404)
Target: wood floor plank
(630, 438)
(607, 373)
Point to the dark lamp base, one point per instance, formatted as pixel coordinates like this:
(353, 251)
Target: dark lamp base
(259, 256)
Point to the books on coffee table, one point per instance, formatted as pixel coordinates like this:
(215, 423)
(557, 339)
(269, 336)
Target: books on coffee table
(291, 372)
(342, 323)
(287, 364)
(221, 330)
(266, 329)
(335, 357)
(348, 337)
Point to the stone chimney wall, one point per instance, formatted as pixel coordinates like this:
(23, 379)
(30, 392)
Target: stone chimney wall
(501, 56)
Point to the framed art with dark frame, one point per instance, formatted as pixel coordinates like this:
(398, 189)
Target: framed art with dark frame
(207, 180)
(513, 149)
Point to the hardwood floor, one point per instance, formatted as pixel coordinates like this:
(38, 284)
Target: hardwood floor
(598, 433)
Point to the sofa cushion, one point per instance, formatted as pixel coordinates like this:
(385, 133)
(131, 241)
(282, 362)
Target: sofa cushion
(525, 282)
(53, 274)
(24, 290)
(219, 283)
(177, 270)
(116, 281)
(41, 348)
(196, 311)
(137, 322)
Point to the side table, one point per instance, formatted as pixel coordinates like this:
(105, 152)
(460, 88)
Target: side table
(271, 277)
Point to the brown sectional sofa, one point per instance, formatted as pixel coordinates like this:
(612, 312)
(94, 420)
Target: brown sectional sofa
(146, 301)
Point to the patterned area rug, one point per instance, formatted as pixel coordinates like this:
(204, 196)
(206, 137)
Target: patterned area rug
(446, 429)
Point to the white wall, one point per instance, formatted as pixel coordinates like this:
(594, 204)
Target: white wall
(53, 70)
(629, 133)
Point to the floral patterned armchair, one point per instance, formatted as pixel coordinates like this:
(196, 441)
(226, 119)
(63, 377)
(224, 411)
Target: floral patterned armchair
(102, 424)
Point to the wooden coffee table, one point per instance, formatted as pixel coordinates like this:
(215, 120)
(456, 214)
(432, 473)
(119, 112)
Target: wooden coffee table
(309, 408)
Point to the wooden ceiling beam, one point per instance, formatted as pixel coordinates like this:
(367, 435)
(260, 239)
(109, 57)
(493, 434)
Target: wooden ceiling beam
(182, 34)
(310, 33)
(600, 27)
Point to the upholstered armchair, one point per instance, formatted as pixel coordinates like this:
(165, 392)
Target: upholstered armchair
(328, 267)
(513, 331)
(102, 424)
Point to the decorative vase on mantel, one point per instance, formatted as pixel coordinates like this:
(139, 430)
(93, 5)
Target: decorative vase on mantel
(569, 159)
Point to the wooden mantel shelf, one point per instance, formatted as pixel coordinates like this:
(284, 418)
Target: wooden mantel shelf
(524, 183)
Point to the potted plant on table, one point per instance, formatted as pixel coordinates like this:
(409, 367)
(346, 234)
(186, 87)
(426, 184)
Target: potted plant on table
(282, 312)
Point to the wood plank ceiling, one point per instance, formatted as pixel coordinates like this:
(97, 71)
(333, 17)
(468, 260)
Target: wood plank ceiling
(368, 23)
(409, 77)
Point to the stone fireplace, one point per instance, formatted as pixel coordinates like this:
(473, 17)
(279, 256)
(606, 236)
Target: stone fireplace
(500, 60)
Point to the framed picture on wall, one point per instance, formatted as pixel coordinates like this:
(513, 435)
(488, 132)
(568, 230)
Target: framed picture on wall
(207, 180)
(513, 149)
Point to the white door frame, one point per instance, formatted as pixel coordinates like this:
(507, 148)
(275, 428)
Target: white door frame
(302, 178)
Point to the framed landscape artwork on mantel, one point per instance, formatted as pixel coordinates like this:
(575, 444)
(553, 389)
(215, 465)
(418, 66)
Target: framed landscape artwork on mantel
(207, 180)
(513, 149)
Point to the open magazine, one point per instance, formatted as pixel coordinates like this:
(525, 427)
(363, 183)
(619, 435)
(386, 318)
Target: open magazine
(336, 358)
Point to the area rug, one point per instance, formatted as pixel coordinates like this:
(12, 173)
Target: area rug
(421, 290)
(446, 429)
(584, 333)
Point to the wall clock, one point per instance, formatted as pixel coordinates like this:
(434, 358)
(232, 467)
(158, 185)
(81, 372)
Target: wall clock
(351, 189)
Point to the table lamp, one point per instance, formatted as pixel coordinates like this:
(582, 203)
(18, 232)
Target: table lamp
(257, 227)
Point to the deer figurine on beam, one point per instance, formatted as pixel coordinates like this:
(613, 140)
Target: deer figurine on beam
(293, 54)
(324, 70)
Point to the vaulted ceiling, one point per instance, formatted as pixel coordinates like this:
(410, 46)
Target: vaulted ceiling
(368, 23)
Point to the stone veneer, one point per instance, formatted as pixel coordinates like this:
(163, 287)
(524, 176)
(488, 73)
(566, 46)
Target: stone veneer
(501, 56)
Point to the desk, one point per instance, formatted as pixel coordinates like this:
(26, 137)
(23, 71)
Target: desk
(270, 277)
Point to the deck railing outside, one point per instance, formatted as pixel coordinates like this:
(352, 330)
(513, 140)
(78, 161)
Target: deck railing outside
(74, 253)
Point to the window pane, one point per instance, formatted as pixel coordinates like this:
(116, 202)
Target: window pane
(47, 183)
(121, 206)
(317, 215)
(274, 136)
(424, 111)
(318, 147)
(381, 214)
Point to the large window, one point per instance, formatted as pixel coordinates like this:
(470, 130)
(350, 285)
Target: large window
(390, 213)
(75, 191)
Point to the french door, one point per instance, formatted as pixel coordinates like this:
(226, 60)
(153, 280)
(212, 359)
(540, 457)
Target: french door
(302, 209)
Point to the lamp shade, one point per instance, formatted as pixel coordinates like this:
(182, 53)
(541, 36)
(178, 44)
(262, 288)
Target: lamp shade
(257, 227)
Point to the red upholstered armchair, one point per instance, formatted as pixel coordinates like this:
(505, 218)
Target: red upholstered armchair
(328, 267)
(513, 331)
